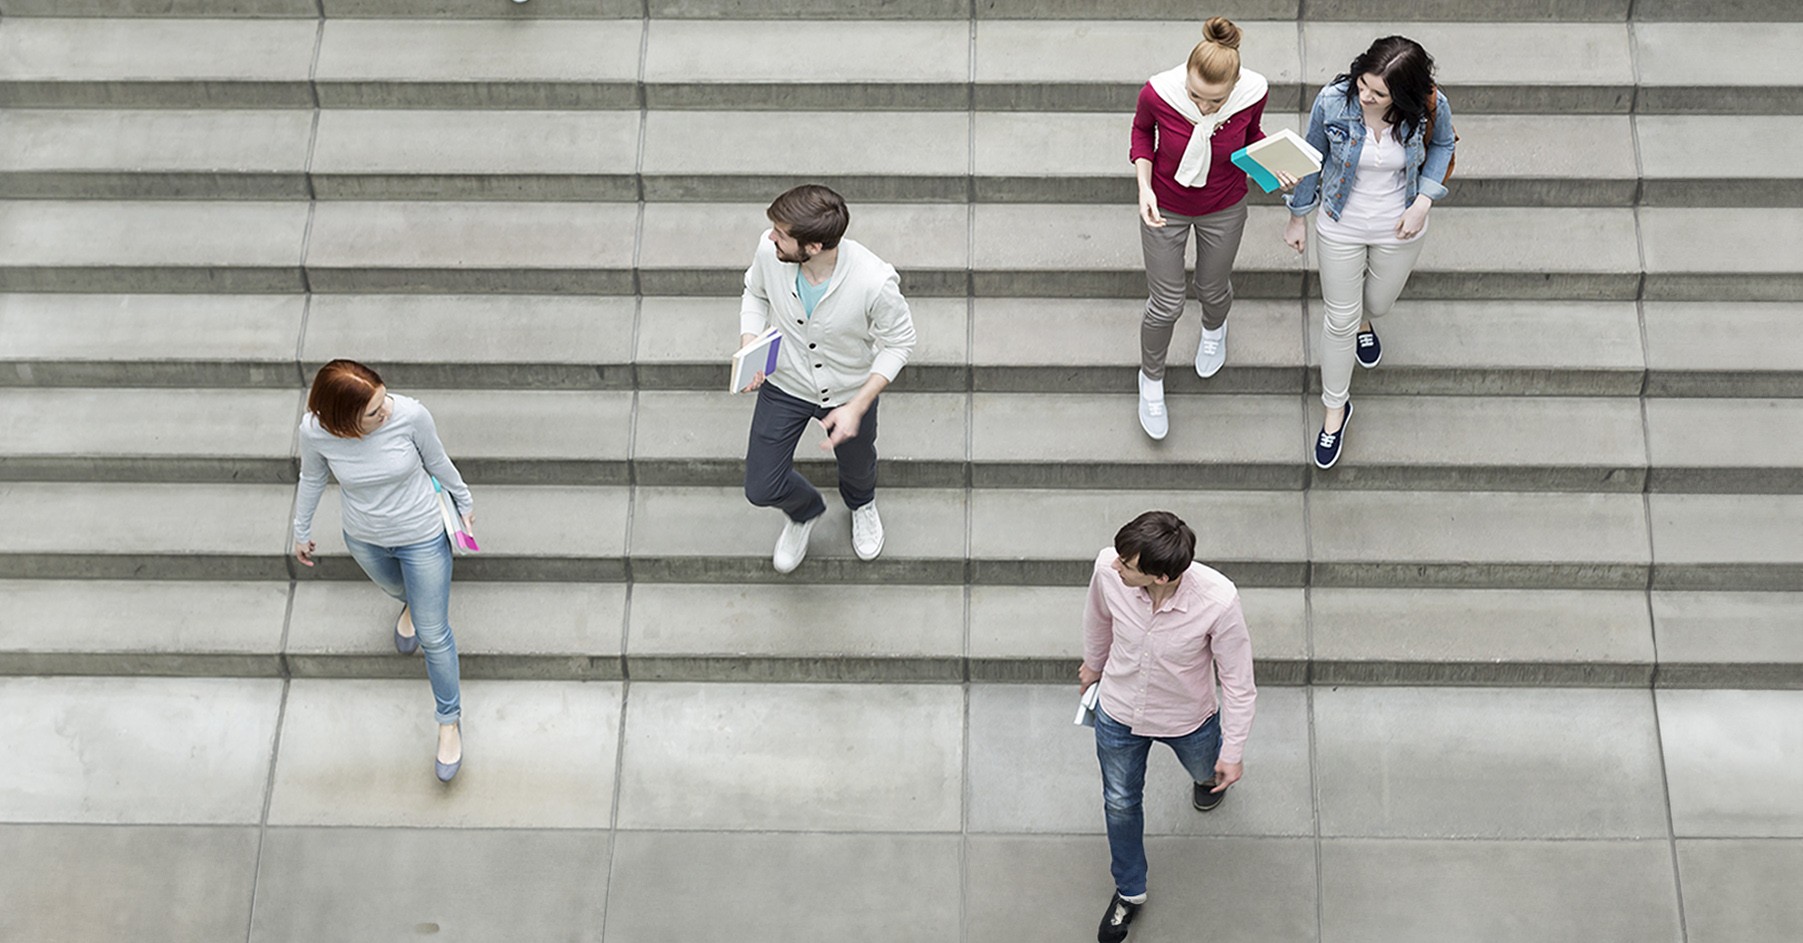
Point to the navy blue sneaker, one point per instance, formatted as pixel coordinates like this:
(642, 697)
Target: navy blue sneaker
(1327, 445)
(1368, 351)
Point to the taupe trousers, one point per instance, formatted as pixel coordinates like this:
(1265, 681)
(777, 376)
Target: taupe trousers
(1217, 242)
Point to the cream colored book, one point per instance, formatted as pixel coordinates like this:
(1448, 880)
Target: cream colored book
(1281, 151)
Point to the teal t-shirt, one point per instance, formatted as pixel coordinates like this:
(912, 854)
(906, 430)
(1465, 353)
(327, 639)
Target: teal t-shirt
(810, 294)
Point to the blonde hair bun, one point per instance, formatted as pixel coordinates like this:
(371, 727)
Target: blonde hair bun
(1221, 31)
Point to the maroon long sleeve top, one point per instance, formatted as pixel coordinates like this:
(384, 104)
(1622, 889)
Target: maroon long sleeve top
(1160, 134)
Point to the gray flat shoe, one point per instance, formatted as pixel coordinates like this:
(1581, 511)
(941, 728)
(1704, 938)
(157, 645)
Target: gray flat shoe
(447, 770)
(405, 644)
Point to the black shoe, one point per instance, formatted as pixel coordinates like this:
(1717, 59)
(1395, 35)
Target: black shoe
(1114, 922)
(1203, 799)
(1327, 444)
(1368, 351)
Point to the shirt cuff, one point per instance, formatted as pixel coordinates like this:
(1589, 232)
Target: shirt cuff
(888, 364)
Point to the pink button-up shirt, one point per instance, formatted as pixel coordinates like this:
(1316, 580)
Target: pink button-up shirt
(1158, 667)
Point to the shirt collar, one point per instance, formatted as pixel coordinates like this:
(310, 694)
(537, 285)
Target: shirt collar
(1179, 600)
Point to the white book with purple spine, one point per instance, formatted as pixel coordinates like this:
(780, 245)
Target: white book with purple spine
(754, 358)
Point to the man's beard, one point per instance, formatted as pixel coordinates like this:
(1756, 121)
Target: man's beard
(782, 256)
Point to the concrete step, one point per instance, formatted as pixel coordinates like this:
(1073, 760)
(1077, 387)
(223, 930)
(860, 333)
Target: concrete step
(1709, 348)
(1019, 157)
(1502, 253)
(148, 435)
(952, 65)
(101, 530)
(1673, 173)
(150, 340)
(1100, 65)
(1452, 10)
(1585, 68)
(1720, 541)
(1715, 254)
(791, 633)
(951, 440)
(1092, 251)
(994, 345)
(682, 344)
(1539, 160)
(297, 9)
(476, 155)
(155, 154)
(540, 64)
(1748, 68)
(80, 245)
(157, 63)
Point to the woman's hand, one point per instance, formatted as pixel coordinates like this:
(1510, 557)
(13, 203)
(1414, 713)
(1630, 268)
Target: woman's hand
(1148, 208)
(303, 551)
(469, 523)
(1414, 219)
(1295, 234)
(1285, 183)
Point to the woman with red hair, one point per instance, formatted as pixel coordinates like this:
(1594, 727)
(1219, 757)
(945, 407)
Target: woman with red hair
(385, 453)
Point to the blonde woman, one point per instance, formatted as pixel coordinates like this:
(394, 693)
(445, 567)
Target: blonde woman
(1187, 125)
(1387, 138)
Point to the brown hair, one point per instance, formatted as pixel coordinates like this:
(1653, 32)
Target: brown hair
(1164, 544)
(1217, 57)
(1407, 70)
(813, 213)
(340, 391)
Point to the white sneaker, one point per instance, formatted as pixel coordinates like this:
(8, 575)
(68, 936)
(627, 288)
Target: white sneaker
(1211, 353)
(866, 532)
(792, 545)
(1152, 417)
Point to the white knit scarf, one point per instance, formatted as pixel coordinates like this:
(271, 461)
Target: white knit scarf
(1172, 86)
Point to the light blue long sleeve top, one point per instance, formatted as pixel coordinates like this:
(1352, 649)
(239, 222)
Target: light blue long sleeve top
(385, 478)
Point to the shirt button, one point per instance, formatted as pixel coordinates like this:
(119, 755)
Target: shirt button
(812, 346)
(800, 321)
(820, 366)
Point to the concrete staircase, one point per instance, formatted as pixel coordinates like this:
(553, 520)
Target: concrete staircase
(1494, 644)
(1579, 464)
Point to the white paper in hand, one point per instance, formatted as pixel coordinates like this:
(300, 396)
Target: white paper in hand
(1086, 705)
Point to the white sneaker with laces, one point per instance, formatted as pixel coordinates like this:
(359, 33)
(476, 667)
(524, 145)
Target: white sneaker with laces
(1152, 416)
(1211, 353)
(866, 532)
(792, 545)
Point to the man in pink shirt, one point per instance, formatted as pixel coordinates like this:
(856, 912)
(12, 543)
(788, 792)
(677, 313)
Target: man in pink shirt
(1157, 631)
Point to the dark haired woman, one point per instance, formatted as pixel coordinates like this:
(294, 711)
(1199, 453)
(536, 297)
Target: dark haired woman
(1386, 136)
(384, 451)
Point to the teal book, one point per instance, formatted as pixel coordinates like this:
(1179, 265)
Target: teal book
(1285, 151)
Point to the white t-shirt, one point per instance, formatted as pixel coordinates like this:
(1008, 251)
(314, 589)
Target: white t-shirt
(1378, 197)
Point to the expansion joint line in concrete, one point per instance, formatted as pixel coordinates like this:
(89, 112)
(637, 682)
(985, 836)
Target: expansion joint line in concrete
(275, 753)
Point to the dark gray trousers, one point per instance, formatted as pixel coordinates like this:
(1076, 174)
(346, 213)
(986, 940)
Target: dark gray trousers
(770, 476)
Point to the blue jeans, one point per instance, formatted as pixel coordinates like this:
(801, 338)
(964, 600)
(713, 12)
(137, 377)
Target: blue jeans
(1123, 755)
(419, 575)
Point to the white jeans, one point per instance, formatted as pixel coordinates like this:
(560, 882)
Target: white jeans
(1358, 282)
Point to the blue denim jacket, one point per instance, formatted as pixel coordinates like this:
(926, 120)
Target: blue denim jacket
(1336, 127)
